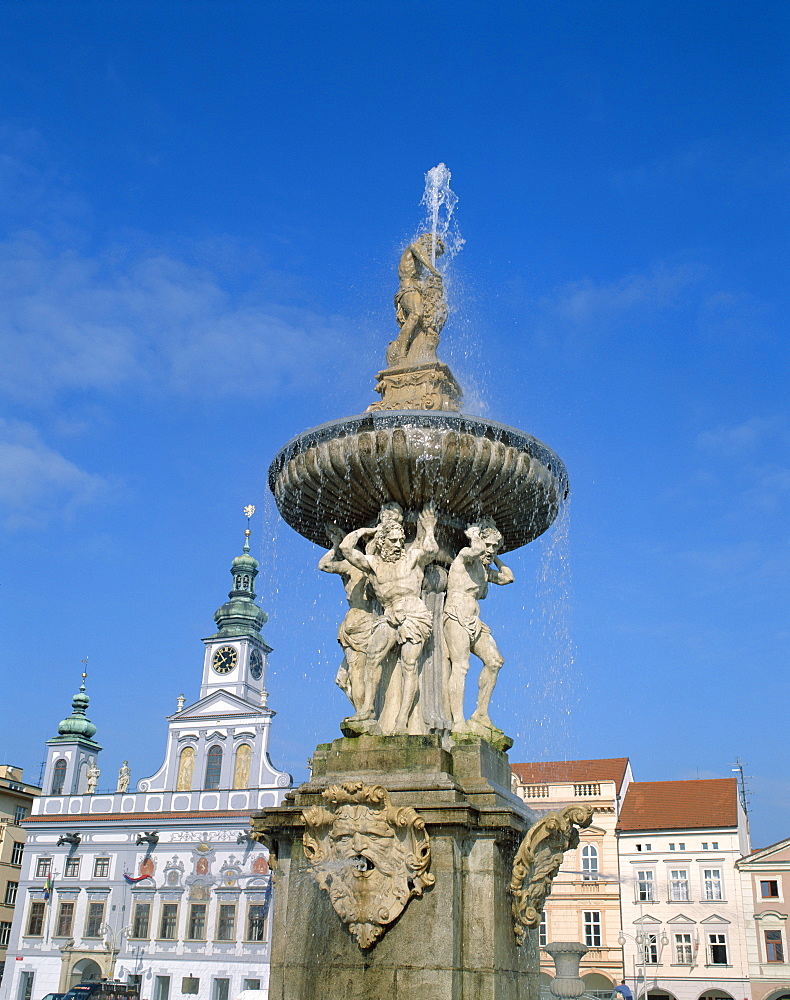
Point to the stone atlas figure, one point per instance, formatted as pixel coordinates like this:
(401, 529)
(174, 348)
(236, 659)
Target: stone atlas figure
(357, 627)
(464, 632)
(396, 572)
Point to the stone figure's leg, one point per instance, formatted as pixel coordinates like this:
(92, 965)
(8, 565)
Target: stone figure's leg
(381, 642)
(343, 678)
(409, 655)
(487, 650)
(411, 307)
(458, 647)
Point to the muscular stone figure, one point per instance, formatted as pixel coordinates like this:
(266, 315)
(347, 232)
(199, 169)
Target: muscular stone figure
(464, 632)
(396, 573)
(419, 303)
(357, 627)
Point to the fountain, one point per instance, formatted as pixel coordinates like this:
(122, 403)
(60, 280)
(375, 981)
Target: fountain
(405, 866)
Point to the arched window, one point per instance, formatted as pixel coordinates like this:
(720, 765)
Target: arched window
(58, 777)
(213, 767)
(186, 768)
(241, 769)
(589, 862)
(238, 582)
(246, 583)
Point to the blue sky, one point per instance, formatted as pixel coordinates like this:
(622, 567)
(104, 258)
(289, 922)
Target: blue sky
(202, 208)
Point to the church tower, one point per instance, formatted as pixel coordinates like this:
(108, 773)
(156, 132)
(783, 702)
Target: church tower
(72, 752)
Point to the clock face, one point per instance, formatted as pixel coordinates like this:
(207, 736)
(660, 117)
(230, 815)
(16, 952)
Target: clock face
(256, 664)
(225, 659)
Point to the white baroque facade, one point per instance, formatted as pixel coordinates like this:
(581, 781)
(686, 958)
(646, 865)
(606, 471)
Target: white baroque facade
(161, 886)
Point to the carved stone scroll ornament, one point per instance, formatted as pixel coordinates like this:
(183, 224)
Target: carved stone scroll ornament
(370, 856)
(538, 860)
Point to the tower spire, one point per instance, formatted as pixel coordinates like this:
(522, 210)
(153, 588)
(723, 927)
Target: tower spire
(240, 616)
(78, 724)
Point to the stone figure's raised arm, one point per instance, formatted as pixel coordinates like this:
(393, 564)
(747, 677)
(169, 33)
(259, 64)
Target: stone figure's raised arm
(476, 546)
(350, 552)
(425, 547)
(502, 574)
(332, 561)
(418, 249)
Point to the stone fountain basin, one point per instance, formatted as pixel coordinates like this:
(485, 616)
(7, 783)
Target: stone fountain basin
(343, 471)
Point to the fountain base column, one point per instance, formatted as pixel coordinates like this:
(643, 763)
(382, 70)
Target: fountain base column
(453, 938)
(430, 386)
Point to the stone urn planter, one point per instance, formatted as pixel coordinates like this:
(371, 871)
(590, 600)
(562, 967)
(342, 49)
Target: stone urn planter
(567, 954)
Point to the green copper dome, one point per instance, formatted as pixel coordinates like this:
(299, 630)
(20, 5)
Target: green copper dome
(241, 616)
(78, 724)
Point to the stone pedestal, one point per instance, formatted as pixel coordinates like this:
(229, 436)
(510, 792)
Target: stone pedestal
(428, 386)
(455, 941)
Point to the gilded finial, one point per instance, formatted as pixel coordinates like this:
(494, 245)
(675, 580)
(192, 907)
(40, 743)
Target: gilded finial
(249, 510)
(84, 673)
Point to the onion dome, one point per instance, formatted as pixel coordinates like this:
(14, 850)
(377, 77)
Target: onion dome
(78, 725)
(241, 616)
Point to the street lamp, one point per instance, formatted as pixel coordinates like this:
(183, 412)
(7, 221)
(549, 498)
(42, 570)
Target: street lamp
(642, 942)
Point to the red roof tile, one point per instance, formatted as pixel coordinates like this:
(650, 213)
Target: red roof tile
(680, 805)
(543, 772)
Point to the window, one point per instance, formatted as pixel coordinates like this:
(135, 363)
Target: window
(26, 985)
(11, 889)
(650, 945)
(72, 868)
(684, 952)
(196, 931)
(681, 847)
(43, 867)
(20, 814)
(221, 989)
(672, 847)
(141, 919)
(678, 885)
(213, 767)
(16, 852)
(704, 845)
(717, 949)
(252, 984)
(169, 921)
(769, 889)
(95, 920)
(589, 862)
(35, 919)
(256, 922)
(5, 933)
(101, 867)
(773, 947)
(190, 985)
(226, 922)
(543, 930)
(65, 919)
(644, 887)
(592, 928)
(162, 988)
(712, 878)
(58, 778)
(714, 845)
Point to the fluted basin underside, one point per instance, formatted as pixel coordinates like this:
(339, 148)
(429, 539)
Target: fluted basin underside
(343, 471)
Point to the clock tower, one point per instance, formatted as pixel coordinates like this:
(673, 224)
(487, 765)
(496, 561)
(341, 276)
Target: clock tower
(236, 654)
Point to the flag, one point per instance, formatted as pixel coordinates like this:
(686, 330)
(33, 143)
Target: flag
(48, 887)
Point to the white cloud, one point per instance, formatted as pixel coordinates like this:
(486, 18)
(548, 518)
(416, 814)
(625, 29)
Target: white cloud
(68, 321)
(37, 482)
(585, 302)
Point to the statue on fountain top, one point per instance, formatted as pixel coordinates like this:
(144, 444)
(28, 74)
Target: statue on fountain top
(414, 378)
(420, 306)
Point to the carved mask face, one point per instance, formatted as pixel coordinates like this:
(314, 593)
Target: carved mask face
(370, 857)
